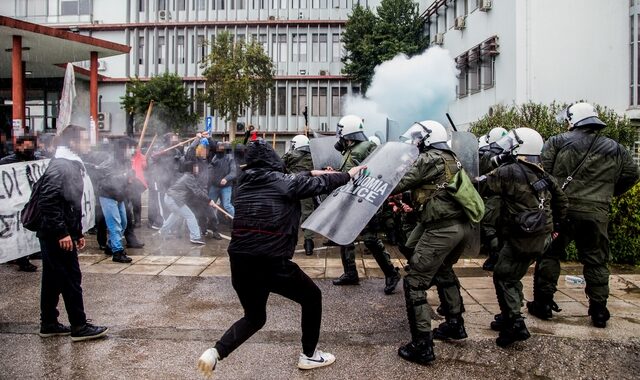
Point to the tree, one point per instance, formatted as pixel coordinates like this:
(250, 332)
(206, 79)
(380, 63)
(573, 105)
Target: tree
(172, 109)
(238, 75)
(371, 39)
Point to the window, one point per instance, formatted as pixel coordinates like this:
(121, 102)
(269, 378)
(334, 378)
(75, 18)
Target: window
(337, 47)
(298, 100)
(202, 5)
(239, 4)
(319, 101)
(140, 50)
(282, 101)
(319, 47)
(335, 3)
(180, 5)
(477, 68)
(279, 47)
(200, 104)
(299, 47)
(303, 4)
(487, 69)
(160, 50)
(202, 48)
(322, 4)
(141, 4)
(27, 8)
(337, 93)
(473, 70)
(180, 49)
(161, 5)
(75, 7)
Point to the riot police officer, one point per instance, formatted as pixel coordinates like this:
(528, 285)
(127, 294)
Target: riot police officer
(534, 207)
(446, 231)
(593, 169)
(355, 147)
(296, 160)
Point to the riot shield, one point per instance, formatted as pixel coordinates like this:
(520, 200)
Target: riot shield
(346, 211)
(324, 154)
(465, 146)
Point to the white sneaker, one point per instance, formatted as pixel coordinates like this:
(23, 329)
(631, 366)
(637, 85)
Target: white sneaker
(319, 359)
(207, 362)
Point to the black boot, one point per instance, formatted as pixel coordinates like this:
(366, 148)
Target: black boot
(350, 275)
(542, 307)
(498, 322)
(121, 257)
(452, 328)
(419, 350)
(599, 314)
(513, 331)
(308, 247)
(390, 282)
(132, 240)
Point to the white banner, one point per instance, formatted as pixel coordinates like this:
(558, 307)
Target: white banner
(16, 181)
(66, 99)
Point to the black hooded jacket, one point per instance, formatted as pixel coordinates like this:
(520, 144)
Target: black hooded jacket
(268, 204)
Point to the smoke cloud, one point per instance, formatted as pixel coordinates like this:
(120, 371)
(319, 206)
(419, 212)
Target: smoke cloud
(406, 90)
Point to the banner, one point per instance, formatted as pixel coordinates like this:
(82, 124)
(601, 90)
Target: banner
(16, 181)
(66, 100)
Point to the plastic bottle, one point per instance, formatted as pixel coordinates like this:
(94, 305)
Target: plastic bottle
(575, 280)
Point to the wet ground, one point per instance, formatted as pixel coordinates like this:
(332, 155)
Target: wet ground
(176, 299)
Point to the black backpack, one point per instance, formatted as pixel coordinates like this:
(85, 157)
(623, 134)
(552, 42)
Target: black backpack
(30, 214)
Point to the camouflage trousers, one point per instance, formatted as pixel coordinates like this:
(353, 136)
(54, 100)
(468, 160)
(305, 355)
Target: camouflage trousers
(307, 208)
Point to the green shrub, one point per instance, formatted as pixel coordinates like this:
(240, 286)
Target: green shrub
(624, 226)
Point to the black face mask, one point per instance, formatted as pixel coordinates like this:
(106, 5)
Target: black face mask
(219, 154)
(28, 152)
(340, 145)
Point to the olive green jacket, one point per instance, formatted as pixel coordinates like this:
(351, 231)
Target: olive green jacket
(427, 173)
(609, 170)
(355, 154)
(512, 183)
(297, 161)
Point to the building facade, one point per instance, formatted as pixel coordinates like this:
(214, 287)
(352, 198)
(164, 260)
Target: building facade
(301, 36)
(511, 52)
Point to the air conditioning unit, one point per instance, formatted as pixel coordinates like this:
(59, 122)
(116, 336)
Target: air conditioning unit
(102, 65)
(439, 40)
(324, 72)
(459, 23)
(164, 15)
(104, 121)
(303, 72)
(272, 18)
(485, 5)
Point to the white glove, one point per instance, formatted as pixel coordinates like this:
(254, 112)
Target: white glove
(207, 362)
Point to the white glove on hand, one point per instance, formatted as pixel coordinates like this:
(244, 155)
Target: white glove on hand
(207, 362)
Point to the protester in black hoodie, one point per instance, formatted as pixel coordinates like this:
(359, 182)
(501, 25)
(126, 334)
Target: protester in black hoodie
(264, 236)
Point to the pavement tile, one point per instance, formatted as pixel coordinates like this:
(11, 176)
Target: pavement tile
(310, 263)
(466, 263)
(569, 309)
(476, 282)
(573, 294)
(632, 278)
(621, 308)
(483, 295)
(334, 263)
(110, 268)
(216, 270)
(136, 258)
(145, 269)
(89, 259)
(314, 272)
(159, 260)
(194, 260)
(221, 261)
(370, 264)
(333, 272)
(183, 270)
(374, 272)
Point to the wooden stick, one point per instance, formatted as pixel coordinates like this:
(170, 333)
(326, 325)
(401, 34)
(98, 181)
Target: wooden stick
(146, 122)
(222, 211)
(174, 146)
(273, 142)
(150, 145)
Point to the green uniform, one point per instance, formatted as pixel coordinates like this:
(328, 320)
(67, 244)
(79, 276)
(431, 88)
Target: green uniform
(444, 232)
(297, 161)
(512, 183)
(352, 157)
(608, 171)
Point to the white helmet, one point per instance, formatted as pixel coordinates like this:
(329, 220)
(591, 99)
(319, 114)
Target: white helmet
(351, 127)
(429, 131)
(299, 141)
(581, 114)
(375, 140)
(482, 141)
(494, 135)
(524, 142)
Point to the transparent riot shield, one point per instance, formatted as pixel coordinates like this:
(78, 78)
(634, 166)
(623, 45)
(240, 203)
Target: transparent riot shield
(465, 146)
(324, 154)
(347, 210)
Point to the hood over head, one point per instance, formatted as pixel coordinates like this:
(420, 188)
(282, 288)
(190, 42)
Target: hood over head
(260, 155)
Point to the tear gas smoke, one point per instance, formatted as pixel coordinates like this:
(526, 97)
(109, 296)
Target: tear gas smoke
(406, 90)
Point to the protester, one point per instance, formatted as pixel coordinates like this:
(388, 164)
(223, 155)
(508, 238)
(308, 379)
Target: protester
(163, 170)
(25, 150)
(223, 173)
(176, 198)
(60, 201)
(263, 239)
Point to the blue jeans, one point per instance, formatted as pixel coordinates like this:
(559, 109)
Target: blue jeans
(177, 214)
(224, 193)
(115, 215)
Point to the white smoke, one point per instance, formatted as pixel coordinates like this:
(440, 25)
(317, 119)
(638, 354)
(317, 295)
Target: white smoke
(407, 90)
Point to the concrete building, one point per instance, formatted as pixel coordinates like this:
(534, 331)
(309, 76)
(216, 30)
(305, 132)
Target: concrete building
(512, 52)
(301, 36)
